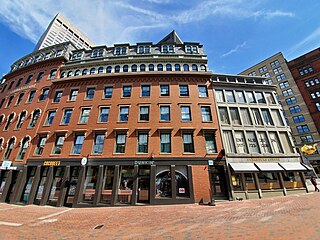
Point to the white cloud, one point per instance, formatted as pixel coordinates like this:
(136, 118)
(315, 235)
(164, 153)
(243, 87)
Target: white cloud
(108, 22)
(234, 50)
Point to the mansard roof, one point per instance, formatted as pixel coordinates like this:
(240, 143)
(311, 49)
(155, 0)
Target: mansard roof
(171, 38)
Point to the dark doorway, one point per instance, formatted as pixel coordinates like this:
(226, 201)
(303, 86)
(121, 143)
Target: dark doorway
(12, 186)
(219, 182)
(143, 184)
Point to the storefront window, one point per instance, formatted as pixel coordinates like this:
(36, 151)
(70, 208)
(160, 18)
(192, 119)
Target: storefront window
(236, 182)
(29, 182)
(43, 180)
(126, 184)
(163, 182)
(107, 184)
(268, 181)
(182, 183)
(90, 184)
(72, 184)
(250, 185)
(292, 180)
(56, 185)
(3, 178)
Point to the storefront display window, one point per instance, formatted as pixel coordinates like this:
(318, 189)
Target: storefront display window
(182, 183)
(72, 184)
(43, 180)
(250, 185)
(30, 179)
(107, 184)
(236, 182)
(56, 185)
(126, 184)
(3, 178)
(90, 184)
(163, 182)
(292, 180)
(268, 181)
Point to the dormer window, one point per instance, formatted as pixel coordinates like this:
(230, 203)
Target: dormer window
(144, 49)
(117, 51)
(167, 49)
(124, 51)
(97, 53)
(191, 49)
(120, 51)
(77, 55)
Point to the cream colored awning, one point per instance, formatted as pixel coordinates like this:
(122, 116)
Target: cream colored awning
(293, 166)
(268, 167)
(243, 167)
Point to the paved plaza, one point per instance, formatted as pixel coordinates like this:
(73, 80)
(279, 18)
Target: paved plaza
(291, 217)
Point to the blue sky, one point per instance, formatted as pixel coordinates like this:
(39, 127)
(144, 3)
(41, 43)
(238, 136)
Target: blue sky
(236, 34)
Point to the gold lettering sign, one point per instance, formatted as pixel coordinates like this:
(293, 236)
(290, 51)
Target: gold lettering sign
(263, 159)
(51, 163)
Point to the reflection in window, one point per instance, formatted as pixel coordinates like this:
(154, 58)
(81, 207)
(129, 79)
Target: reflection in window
(264, 142)
(90, 184)
(163, 182)
(275, 143)
(252, 142)
(126, 184)
(245, 116)
(223, 113)
(228, 142)
(240, 142)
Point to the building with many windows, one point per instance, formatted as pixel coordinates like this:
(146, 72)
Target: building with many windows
(61, 30)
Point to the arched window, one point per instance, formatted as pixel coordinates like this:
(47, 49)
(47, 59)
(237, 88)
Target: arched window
(168, 67)
(77, 72)
(134, 68)
(69, 74)
(24, 146)
(92, 71)
(63, 74)
(177, 67)
(1, 118)
(9, 148)
(185, 67)
(10, 120)
(21, 119)
(34, 118)
(100, 70)
(124, 51)
(194, 68)
(142, 68)
(117, 69)
(203, 68)
(125, 68)
(109, 69)
(151, 67)
(1, 143)
(160, 67)
(84, 71)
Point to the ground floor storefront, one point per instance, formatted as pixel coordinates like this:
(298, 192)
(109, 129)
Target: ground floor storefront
(98, 182)
(251, 180)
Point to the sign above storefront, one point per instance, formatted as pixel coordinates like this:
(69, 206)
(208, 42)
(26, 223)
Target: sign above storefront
(143, 162)
(51, 163)
(6, 165)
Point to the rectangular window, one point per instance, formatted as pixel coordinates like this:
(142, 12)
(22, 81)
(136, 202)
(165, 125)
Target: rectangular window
(185, 113)
(274, 63)
(98, 143)
(284, 85)
(305, 70)
(263, 69)
(164, 90)
(307, 138)
(256, 116)
(58, 144)
(277, 70)
(40, 76)
(287, 92)
(184, 90)
(40, 145)
(210, 142)
(66, 116)
(219, 96)
(57, 96)
(78, 142)
(44, 94)
(245, 116)
(108, 92)
(104, 114)
(206, 114)
(266, 117)
(281, 77)
(10, 101)
(164, 113)
(29, 78)
(90, 93)
(269, 98)
(145, 90)
(188, 146)
(203, 92)
(285, 142)
(240, 142)
(124, 114)
(50, 118)
(143, 143)
(250, 97)
(230, 97)
(144, 113)
(240, 97)
(260, 98)
(21, 95)
(224, 117)
(126, 91)
(73, 94)
(165, 142)
(228, 141)
(52, 74)
(234, 114)
(295, 109)
(85, 112)
(303, 129)
(277, 117)
(252, 142)
(120, 143)
(264, 142)
(290, 101)
(275, 143)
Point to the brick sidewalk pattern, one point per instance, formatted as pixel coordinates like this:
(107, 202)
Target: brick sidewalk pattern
(291, 217)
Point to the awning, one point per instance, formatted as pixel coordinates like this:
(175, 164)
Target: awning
(307, 167)
(292, 166)
(243, 167)
(269, 167)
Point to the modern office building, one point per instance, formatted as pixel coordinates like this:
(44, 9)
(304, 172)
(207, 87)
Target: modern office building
(62, 30)
(295, 104)
(260, 158)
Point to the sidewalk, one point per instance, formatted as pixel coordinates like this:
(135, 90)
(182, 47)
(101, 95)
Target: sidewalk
(292, 217)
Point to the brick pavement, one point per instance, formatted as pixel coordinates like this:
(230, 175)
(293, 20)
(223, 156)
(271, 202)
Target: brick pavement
(291, 217)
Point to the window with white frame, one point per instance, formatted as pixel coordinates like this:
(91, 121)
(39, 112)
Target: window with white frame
(104, 114)
(165, 142)
(50, 117)
(58, 144)
(185, 113)
(124, 114)
(126, 91)
(73, 94)
(144, 113)
(165, 113)
(145, 90)
(23, 149)
(206, 114)
(120, 143)
(142, 142)
(108, 92)
(98, 143)
(84, 117)
(77, 144)
(188, 146)
(202, 90)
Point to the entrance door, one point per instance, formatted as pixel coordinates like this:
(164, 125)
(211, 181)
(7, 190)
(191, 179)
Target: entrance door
(12, 186)
(143, 184)
(219, 182)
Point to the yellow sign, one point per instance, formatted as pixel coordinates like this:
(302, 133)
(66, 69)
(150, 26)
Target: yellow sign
(307, 149)
(51, 163)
